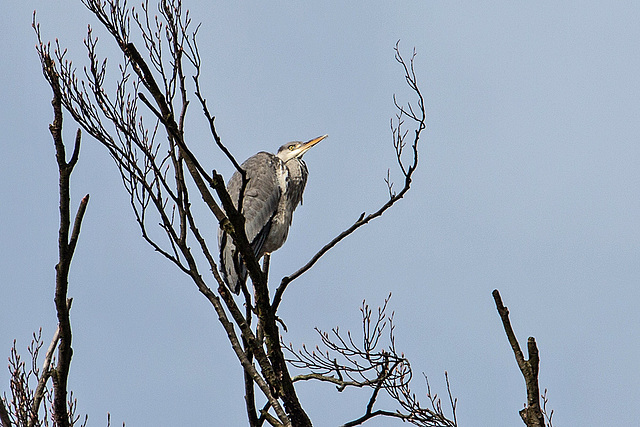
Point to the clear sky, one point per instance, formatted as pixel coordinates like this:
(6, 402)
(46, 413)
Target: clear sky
(529, 182)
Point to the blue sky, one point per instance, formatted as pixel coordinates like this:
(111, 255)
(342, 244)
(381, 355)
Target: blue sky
(529, 183)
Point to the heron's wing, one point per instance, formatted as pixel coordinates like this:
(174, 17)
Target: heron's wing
(261, 195)
(259, 205)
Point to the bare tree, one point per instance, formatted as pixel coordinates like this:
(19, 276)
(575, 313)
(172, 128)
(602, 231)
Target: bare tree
(29, 387)
(142, 125)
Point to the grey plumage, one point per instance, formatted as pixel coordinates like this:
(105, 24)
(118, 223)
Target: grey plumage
(274, 190)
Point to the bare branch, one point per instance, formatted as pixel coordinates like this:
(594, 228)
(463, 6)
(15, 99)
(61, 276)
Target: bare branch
(346, 363)
(452, 401)
(532, 413)
(548, 414)
(407, 170)
(368, 415)
(45, 375)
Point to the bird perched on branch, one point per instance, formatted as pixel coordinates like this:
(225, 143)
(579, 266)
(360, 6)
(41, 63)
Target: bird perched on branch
(273, 191)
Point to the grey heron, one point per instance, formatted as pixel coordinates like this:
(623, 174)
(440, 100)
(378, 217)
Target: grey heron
(274, 190)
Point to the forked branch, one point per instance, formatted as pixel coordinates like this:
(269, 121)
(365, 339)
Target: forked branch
(26, 403)
(532, 414)
(66, 248)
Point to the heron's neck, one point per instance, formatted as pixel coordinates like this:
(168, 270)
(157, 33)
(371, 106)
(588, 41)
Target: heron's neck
(296, 166)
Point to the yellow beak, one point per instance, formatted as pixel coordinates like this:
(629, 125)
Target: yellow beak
(313, 142)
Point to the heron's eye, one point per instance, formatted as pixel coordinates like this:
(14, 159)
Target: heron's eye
(291, 147)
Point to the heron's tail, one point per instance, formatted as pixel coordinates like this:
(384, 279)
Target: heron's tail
(233, 269)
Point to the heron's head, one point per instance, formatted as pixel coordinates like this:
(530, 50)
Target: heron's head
(295, 149)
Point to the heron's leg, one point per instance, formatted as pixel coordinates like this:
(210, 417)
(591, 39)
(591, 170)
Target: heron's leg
(265, 265)
(265, 269)
(247, 296)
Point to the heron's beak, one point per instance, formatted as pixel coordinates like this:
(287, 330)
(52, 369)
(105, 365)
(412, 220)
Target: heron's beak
(311, 143)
